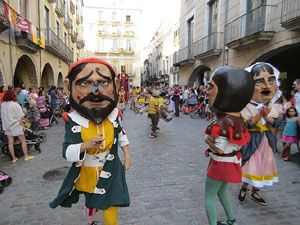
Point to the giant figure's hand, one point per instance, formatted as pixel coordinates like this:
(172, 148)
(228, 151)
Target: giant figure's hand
(94, 142)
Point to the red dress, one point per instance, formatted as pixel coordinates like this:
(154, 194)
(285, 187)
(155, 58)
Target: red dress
(228, 133)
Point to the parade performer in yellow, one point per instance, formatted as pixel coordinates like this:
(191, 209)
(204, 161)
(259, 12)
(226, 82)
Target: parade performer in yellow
(93, 133)
(230, 90)
(258, 164)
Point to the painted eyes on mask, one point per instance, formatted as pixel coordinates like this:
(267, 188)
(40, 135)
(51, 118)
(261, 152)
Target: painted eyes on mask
(87, 83)
(271, 81)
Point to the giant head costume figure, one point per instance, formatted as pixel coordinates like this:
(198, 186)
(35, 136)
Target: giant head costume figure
(266, 82)
(91, 88)
(230, 89)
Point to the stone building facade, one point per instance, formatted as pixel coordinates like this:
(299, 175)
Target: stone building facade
(238, 33)
(58, 25)
(113, 32)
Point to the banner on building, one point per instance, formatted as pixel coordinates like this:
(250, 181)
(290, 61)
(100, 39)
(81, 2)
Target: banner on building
(11, 15)
(34, 35)
(43, 38)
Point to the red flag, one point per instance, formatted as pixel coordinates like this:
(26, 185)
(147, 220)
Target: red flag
(16, 19)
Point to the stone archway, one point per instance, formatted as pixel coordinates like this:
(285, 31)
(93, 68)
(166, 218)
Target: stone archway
(47, 78)
(196, 78)
(286, 59)
(25, 72)
(60, 82)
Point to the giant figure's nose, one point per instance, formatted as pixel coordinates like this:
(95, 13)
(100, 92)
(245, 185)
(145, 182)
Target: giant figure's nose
(96, 88)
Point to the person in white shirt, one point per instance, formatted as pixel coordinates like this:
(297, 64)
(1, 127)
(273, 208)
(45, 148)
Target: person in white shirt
(296, 86)
(11, 115)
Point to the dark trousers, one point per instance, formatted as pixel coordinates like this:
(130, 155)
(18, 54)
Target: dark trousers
(177, 108)
(154, 120)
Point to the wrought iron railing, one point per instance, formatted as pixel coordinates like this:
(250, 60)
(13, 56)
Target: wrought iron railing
(207, 43)
(290, 10)
(184, 54)
(53, 40)
(256, 20)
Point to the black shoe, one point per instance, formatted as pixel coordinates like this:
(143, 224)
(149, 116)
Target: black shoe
(259, 200)
(242, 199)
(228, 222)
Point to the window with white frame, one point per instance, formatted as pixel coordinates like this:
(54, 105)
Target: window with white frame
(115, 44)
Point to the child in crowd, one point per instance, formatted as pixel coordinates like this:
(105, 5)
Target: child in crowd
(140, 105)
(163, 108)
(290, 132)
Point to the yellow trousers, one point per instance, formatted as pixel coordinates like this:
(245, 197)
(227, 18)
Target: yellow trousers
(110, 216)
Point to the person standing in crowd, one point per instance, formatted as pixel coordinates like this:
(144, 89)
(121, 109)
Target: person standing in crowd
(258, 162)
(22, 98)
(11, 115)
(176, 99)
(133, 94)
(54, 102)
(43, 114)
(154, 112)
(290, 133)
(3, 89)
(192, 100)
(231, 89)
(296, 86)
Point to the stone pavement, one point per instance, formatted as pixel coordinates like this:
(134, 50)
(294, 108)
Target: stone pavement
(166, 182)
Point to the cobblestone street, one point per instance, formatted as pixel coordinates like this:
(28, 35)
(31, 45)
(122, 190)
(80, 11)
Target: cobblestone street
(166, 181)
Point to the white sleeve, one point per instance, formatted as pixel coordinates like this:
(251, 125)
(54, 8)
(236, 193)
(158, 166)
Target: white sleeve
(221, 142)
(73, 153)
(123, 140)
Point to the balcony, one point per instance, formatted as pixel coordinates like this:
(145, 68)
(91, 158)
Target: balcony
(68, 22)
(55, 46)
(129, 34)
(24, 41)
(78, 19)
(72, 7)
(80, 44)
(60, 8)
(290, 15)
(174, 69)
(115, 22)
(4, 23)
(101, 33)
(252, 29)
(184, 57)
(115, 34)
(74, 37)
(207, 47)
(101, 22)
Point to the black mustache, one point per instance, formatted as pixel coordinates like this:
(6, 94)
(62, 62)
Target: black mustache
(99, 97)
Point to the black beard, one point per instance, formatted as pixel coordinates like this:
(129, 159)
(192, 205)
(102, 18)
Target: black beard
(95, 114)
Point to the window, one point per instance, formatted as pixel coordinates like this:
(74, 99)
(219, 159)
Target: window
(24, 9)
(100, 15)
(115, 44)
(57, 29)
(128, 45)
(256, 15)
(114, 16)
(190, 33)
(65, 38)
(213, 17)
(128, 19)
(47, 24)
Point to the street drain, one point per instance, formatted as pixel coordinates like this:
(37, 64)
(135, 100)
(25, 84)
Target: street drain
(295, 182)
(56, 174)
